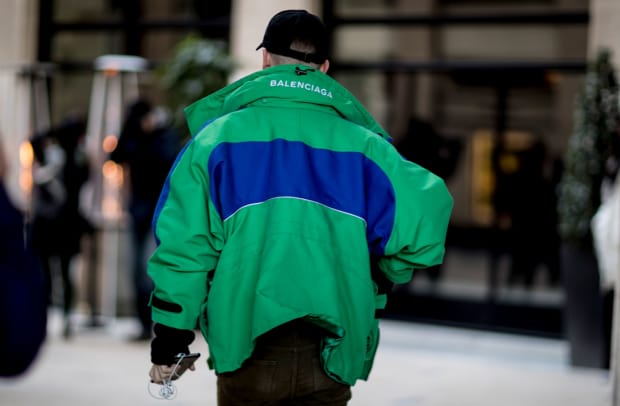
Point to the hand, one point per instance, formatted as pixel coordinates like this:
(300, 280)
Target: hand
(161, 373)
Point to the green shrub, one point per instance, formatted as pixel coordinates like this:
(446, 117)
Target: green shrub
(589, 148)
(197, 68)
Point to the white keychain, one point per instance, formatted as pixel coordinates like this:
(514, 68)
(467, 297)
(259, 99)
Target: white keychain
(168, 389)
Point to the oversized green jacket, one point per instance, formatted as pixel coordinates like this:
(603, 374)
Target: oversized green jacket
(273, 211)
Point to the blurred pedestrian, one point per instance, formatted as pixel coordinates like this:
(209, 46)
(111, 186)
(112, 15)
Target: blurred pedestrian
(268, 222)
(534, 241)
(60, 169)
(23, 306)
(148, 146)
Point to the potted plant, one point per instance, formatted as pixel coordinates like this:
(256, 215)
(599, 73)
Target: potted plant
(198, 67)
(579, 196)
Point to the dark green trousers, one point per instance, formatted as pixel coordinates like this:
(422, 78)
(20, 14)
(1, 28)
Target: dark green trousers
(285, 369)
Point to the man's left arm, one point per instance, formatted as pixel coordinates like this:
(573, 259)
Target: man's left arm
(423, 206)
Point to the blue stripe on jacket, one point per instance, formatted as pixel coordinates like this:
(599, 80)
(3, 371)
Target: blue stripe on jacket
(163, 195)
(166, 187)
(246, 173)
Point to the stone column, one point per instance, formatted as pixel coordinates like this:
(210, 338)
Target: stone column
(248, 21)
(604, 28)
(18, 30)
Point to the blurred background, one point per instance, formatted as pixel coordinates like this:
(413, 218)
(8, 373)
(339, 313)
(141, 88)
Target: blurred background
(498, 97)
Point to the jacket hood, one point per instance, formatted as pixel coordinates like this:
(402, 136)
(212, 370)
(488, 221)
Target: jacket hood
(295, 83)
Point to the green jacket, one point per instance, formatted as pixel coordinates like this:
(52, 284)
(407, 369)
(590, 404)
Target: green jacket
(273, 211)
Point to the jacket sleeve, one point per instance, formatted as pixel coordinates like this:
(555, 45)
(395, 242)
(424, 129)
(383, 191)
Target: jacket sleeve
(188, 232)
(423, 206)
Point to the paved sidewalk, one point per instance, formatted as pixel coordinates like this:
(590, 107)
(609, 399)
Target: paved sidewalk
(416, 365)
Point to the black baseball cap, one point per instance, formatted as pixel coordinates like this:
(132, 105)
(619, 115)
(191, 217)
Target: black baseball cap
(290, 25)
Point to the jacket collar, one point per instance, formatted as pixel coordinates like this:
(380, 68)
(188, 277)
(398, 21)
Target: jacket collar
(293, 83)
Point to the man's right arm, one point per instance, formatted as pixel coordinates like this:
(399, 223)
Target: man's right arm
(423, 206)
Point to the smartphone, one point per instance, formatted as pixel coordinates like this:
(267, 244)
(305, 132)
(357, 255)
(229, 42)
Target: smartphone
(186, 360)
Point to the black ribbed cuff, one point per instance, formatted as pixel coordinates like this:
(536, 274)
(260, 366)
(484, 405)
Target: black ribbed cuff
(169, 342)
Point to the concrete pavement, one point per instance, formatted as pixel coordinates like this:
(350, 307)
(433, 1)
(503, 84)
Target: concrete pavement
(416, 365)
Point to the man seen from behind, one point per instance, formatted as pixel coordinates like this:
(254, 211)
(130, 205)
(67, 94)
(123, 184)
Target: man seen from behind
(269, 222)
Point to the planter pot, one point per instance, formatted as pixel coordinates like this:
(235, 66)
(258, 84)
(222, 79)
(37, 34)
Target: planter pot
(583, 309)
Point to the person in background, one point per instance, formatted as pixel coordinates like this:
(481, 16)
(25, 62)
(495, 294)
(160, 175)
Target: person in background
(148, 147)
(270, 220)
(60, 169)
